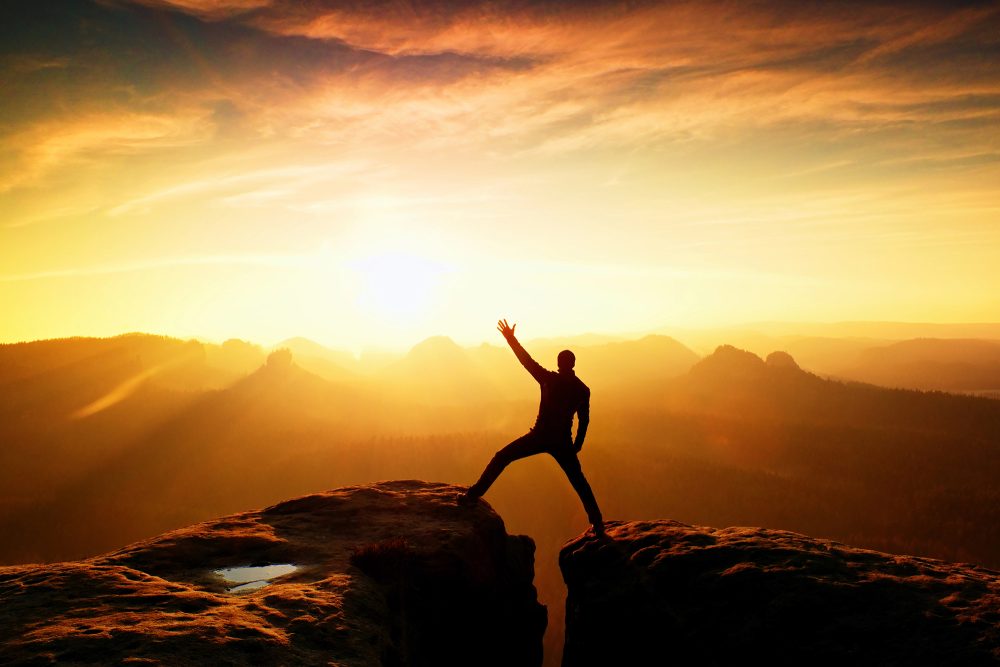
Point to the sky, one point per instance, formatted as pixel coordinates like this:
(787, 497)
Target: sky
(367, 174)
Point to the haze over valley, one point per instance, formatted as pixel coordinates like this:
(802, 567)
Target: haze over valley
(113, 440)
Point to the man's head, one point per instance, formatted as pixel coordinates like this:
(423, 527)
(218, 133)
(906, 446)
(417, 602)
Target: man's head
(566, 360)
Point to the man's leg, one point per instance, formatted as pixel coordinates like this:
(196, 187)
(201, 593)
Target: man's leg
(570, 464)
(526, 445)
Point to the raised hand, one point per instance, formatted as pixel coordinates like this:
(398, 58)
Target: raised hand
(506, 329)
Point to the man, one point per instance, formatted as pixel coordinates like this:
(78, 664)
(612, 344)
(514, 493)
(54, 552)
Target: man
(563, 395)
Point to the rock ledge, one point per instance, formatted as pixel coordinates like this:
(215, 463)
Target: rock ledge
(695, 595)
(392, 573)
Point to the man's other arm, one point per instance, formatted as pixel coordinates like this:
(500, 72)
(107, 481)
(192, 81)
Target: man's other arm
(583, 418)
(522, 355)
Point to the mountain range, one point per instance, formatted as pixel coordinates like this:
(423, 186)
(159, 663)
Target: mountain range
(108, 441)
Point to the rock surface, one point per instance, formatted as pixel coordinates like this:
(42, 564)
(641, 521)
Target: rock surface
(662, 592)
(392, 573)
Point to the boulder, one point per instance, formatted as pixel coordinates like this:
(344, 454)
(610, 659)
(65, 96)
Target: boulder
(666, 593)
(393, 573)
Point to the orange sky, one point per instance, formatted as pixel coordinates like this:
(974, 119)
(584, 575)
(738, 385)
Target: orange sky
(368, 173)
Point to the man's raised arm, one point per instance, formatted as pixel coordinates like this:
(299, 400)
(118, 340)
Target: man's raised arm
(522, 355)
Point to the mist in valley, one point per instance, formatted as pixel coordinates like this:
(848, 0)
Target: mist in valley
(107, 441)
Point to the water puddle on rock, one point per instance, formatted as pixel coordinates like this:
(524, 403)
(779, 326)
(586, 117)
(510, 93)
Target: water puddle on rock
(252, 578)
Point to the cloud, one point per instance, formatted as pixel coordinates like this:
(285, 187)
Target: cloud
(504, 79)
(597, 74)
(274, 261)
(47, 146)
(232, 184)
(208, 9)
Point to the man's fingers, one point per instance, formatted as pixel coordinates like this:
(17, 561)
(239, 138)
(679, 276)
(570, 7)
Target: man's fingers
(504, 328)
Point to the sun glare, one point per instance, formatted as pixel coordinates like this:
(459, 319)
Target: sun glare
(397, 285)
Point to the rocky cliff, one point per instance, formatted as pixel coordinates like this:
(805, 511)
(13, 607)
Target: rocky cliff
(662, 592)
(392, 573)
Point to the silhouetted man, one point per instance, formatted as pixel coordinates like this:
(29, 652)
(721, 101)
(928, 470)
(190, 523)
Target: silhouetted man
(563, 395)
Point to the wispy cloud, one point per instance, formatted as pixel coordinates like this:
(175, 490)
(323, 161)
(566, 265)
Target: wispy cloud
(210, 9)
(47, 146)
(676, 71)
(273, 261)
(232, 186)
(554, 77)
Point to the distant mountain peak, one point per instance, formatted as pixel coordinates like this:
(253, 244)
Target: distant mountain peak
(435, 346)
(730, 364)
(779, 359)
(730, 355)
(437, 341)
(281, 358)
(303, 345)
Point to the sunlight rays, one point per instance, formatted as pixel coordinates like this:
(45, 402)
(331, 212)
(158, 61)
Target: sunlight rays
(387, 172)
(397, 285)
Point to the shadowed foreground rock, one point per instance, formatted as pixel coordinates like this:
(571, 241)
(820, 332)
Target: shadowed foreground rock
(662, 592)
(388, 574)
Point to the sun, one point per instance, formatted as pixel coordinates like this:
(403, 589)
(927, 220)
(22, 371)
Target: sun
(397, 284)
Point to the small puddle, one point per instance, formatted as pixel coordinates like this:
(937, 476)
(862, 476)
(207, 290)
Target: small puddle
(252, 578)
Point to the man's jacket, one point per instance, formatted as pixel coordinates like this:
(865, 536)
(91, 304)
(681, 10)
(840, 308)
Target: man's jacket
(563, 394)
